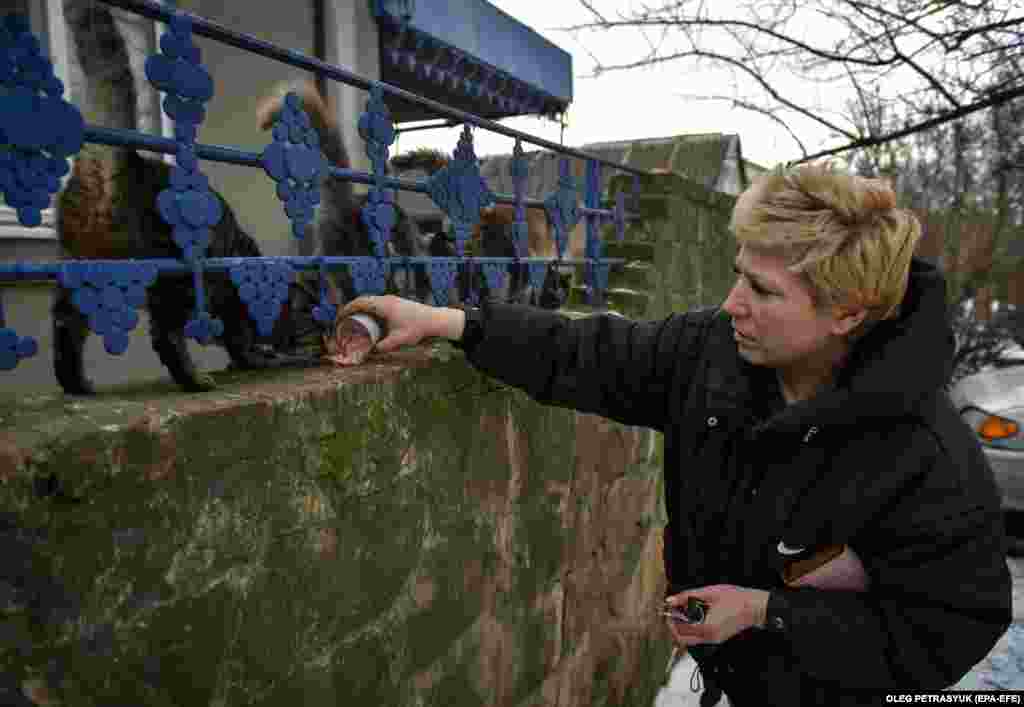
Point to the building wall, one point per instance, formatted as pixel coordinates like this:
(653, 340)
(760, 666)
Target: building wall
(352, 42)
(241, 78)
(46, 18)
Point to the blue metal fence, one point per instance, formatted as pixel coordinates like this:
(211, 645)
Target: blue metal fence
(40, 131)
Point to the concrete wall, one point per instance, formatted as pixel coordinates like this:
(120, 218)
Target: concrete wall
(402, 534)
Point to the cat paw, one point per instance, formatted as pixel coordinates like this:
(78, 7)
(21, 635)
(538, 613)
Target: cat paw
(75, 384)
(78, 387)
(200, 383)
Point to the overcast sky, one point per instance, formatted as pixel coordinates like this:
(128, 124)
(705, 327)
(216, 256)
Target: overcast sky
(639, 103)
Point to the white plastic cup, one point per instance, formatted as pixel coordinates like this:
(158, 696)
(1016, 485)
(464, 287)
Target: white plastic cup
(370, 323)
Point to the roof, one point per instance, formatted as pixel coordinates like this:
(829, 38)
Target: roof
(702, 157)
(711, 159)
(469, 55)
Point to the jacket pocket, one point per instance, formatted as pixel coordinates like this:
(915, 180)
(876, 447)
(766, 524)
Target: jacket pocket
(834, 566)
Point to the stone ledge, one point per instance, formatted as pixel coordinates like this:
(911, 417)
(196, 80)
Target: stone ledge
(35, 422)
(386, 534)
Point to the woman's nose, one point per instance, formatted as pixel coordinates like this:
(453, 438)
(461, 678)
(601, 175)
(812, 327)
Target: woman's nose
(732, 303)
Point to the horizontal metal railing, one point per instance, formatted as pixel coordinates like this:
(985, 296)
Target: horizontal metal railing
(452, 189)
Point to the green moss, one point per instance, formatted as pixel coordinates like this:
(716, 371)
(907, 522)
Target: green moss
(363, 672)
(601, 684)
(535, 635)
(654, 655)
(432, 631)
(232, 543)
(454, 690)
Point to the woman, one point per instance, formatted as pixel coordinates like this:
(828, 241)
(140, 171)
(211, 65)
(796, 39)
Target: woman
(825, 501)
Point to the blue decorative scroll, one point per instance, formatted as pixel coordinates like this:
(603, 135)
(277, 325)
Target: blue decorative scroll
(325, 312)
(537, 273)
(494, 274)
(562, 207)
(39, 130)
(188, 206)
(593, 201)
(597, 282)
(595, 273)
(108, 294)
(620, 216)
(378, 214)
(377, 130)
(472, 293)
(369, 276)
(263, 287)
(13, 348)
(295, 161)
(519, 171)
(442, 276)
(460, 191)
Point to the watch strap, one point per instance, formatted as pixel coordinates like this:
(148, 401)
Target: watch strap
(778, 613)
(473, 330)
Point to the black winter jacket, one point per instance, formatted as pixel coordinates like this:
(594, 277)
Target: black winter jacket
(881, 462)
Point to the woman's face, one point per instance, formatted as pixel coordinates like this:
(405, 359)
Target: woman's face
(775, 322)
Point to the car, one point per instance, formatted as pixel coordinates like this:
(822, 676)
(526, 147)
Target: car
(991, 402)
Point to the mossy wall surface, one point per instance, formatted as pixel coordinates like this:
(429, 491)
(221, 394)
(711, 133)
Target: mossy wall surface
(404, 533)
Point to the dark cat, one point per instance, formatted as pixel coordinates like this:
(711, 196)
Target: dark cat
(108, 211)
(492, 237)
(339, 229)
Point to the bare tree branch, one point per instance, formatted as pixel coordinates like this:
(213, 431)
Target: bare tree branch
(593, 11)
(735, 63)
(993, 100)
(680, 23)
(745, 105)
(898, 54)
(931, 61)
(966, 34)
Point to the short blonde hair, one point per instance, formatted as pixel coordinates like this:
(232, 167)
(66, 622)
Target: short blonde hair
(842, 232)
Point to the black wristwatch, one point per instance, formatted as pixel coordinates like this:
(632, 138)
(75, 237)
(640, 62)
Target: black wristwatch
(778, 614)
(473, 331)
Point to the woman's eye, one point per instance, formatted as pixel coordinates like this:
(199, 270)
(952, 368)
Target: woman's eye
(758, 290)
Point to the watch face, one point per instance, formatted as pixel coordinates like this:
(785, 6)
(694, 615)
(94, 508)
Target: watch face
(693, 612)
(775, 612)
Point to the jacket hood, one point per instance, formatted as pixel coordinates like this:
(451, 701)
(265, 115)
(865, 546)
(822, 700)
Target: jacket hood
(891, 371)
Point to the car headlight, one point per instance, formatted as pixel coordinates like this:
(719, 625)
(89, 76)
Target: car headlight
(991, 428)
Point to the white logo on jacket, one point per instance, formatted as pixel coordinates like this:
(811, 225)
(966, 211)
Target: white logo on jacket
(785, 549)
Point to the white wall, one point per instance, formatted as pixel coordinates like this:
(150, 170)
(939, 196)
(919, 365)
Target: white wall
(47, 20)
(352, 44)
(241, 79)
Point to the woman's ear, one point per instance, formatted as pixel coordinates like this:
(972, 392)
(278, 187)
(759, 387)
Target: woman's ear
(847, 317)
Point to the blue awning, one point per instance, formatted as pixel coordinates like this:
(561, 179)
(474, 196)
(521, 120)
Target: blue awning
(471, 55)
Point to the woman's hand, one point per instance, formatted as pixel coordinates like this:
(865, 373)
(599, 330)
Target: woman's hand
(407, 322)
(731, 609)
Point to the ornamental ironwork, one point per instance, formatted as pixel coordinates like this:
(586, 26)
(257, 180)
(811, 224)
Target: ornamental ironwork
(40, 131)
